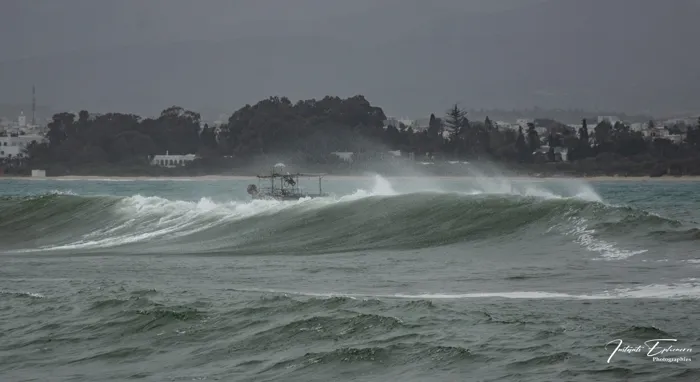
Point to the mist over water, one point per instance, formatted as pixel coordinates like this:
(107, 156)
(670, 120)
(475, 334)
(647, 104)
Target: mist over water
(495, 278)
(148, 223)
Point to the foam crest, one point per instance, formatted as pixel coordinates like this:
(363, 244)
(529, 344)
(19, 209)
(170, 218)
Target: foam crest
(670, 291)
(584, 237)
(531, 188)
(499, 184)
(22, 294)
(154, 221)
(480, 184)
(146, 218)
(652, 291)
(54, 192)
(685, 290)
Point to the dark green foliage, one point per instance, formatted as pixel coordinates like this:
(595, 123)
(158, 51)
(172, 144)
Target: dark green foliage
(456, 120)
(533, 139)
(308, 131)
(522, 147)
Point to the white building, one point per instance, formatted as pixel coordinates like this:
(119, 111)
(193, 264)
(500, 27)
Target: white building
(524, 121)
(391, 121)
(561, 154)
(420, 124)
(676, 138)
(344, 155)
(541, 131)
(680, 121)
(14, 146)
(397, 122)
(638, 126)
(660, 132)
(168, 160)
(502, 125)
(610, 118)
(22, 120)
(508, 126)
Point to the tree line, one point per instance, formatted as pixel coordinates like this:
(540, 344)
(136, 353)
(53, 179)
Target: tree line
(309, 131)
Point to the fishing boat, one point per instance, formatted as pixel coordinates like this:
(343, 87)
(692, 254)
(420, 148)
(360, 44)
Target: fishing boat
(279, 186)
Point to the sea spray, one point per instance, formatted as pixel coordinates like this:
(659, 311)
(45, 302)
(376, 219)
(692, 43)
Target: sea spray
(386, 215)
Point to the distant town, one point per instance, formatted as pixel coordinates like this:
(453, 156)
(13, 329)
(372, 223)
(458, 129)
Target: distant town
(341, 136)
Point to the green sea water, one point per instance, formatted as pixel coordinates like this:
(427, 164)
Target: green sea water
(387, 279)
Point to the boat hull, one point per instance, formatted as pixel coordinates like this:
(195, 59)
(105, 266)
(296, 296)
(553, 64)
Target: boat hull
(287, 197)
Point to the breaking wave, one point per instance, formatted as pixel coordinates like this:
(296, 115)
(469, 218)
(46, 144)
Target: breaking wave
(684, 289)
(382, 217)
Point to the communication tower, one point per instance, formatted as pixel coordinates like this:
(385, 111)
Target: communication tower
(33, 106)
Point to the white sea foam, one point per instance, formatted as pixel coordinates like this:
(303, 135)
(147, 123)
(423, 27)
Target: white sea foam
(62, 192)
(652, 291)
(142, 218)
(119, 179)
(682, 290)
(147, 218)
(22, 293)
(487, 185)
(53, 192)
(584, 236)
(479, 183)
(150, 217)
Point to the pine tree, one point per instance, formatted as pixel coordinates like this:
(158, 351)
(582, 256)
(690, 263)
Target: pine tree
(521, 146)
(583, 132)
(455, 119)
(533, 139)
(488, 123)
(434, 127)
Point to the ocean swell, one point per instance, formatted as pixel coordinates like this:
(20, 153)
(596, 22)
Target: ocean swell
(378, 218)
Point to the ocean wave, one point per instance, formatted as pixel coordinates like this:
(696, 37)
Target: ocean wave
(688, 289)
(21, 294)
(377, 357)
(383, 217)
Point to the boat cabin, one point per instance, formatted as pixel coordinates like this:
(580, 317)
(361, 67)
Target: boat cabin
(284, 186)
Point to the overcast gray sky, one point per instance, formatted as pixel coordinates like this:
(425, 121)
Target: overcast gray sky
(411, 57)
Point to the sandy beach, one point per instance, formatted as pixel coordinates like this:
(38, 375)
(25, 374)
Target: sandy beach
(350, 177)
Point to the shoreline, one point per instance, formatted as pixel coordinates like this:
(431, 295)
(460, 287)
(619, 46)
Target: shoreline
(690, 178)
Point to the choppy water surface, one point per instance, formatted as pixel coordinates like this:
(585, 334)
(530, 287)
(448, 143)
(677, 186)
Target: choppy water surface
(388, 279)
